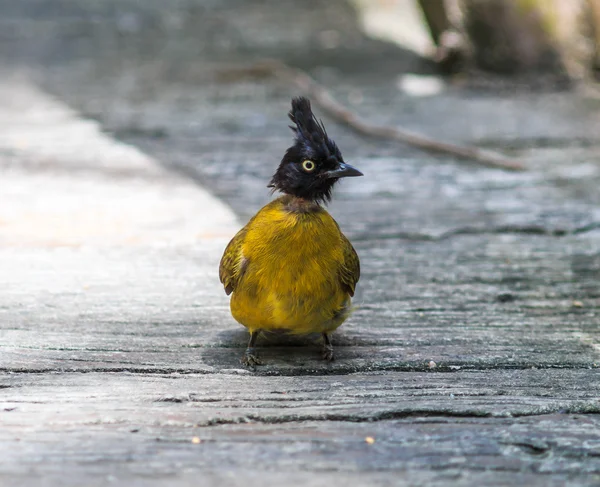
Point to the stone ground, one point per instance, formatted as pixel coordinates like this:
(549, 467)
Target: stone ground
(119, 361)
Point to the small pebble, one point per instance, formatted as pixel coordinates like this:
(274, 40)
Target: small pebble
(577, 304)
(432, 364)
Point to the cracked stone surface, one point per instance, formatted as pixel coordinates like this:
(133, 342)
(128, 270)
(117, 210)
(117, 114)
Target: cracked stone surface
(472, 358)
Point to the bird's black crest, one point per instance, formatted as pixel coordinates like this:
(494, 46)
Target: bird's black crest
(309, 131)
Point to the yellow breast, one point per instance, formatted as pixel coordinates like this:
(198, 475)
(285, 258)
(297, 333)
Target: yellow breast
(290, 264)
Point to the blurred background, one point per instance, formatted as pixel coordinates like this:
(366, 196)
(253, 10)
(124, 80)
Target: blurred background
(513, 76)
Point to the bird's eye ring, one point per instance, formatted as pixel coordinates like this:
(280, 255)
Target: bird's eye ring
(308, 165)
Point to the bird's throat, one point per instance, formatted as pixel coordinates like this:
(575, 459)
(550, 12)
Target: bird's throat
(295, 204)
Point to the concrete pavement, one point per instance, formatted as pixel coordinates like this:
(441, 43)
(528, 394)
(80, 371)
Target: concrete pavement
(120, 361)
(92, 228)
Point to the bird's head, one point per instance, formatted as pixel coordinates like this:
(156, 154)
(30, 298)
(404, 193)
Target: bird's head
(311, 166)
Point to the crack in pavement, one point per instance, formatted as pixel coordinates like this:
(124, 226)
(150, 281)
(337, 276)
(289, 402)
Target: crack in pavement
(395, 414)
(299, 371)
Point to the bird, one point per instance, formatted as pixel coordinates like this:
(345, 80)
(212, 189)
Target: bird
(290, 268)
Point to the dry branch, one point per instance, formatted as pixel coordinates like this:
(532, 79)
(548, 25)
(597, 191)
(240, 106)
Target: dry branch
(323, 97)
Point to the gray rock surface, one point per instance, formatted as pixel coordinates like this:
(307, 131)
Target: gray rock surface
(472, 358)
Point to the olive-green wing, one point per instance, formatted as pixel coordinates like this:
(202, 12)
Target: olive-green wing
(230, 267)
(350, 269)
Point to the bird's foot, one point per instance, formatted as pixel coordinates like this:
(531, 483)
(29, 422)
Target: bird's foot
(327, 353)
(250, 358)
(327, 348)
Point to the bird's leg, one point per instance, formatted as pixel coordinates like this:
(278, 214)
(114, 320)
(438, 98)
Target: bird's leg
(327, 348)
(250, 357)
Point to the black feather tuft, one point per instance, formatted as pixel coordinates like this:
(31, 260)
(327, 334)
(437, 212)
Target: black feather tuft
(310, 131)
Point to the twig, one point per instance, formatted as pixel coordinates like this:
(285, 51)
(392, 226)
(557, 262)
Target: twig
(323, 97)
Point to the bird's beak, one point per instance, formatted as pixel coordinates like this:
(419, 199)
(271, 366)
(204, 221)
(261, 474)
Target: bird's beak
(343, 171)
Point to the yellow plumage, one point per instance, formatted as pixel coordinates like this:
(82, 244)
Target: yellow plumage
(290, 268)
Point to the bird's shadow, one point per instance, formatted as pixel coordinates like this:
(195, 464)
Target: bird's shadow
(279, 352)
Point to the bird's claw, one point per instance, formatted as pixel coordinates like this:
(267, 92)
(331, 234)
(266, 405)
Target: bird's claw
(327, 353)
(250, 358)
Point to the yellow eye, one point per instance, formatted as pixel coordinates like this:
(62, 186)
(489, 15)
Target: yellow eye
(308, 165)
